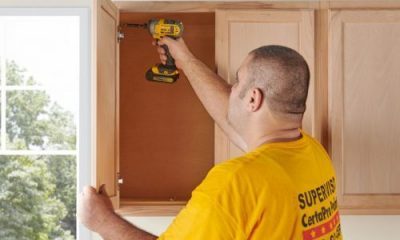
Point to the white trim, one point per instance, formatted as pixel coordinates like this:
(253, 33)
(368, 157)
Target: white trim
(84, 142)
(38, 152)
(3, 81)
(22, 88)
(45, 3)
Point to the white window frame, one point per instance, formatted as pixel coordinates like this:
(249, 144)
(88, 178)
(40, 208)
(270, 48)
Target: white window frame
(83, 149)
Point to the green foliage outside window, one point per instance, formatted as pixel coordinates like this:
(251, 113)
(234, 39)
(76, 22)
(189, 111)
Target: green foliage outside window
(37, 193)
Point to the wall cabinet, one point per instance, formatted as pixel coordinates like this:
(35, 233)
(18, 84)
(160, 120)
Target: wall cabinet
(364, 108)
(155, 142)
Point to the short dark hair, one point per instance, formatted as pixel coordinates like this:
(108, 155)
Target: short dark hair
(283, 76)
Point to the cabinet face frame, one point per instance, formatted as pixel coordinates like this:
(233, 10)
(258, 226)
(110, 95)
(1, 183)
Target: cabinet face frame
(352, 202)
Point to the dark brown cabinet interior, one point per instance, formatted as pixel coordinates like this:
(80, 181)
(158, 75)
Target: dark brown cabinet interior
(166, 136)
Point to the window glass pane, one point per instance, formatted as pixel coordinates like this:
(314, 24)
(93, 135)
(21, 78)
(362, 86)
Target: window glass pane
(37, 197)
(35, 122)
(39, 53)
(47, 47)
(17, 75)
(1, 123)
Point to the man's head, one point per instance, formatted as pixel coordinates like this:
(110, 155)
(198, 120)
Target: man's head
(272, 81)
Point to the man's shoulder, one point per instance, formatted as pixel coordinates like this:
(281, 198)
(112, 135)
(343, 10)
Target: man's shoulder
(224, 171)
(223, 175)
(247, 165)
(241, 173)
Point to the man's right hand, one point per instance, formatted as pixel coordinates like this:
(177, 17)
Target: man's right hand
(178, 50)
(211, 89)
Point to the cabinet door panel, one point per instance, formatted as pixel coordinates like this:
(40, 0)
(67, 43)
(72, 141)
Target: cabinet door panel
(364, 107)
(240, 31)
(106, 97)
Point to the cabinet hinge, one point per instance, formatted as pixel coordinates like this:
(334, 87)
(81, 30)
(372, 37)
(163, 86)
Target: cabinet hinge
(119, 180)
(120, 36)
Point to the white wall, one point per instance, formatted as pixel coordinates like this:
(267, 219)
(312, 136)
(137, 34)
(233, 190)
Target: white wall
(45, 3)
(371, 227)
(153, 225)
(353, 227)
(365, 227)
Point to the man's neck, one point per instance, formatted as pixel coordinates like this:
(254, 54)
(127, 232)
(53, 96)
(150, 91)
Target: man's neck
(279, 135)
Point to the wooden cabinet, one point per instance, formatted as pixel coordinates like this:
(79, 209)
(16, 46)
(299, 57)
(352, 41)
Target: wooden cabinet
(158, 140)
(364, 108)
(154, 141)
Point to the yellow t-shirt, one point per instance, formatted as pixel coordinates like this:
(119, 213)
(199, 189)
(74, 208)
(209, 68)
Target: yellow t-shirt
(282, 190)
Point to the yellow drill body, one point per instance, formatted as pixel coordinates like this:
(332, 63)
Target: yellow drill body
(160, 28)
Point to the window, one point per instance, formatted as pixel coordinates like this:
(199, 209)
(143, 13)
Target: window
(43, 92)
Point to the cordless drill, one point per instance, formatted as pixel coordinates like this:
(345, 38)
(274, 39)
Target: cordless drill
(159, 28)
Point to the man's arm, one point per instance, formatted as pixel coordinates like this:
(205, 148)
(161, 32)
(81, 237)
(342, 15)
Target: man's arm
(211, 89)
(119, 228)
(96, 212)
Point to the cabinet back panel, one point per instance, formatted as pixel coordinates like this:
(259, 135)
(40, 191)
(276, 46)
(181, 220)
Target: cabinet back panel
(166, 135)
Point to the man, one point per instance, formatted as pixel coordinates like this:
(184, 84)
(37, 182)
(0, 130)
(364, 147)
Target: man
(282, 188)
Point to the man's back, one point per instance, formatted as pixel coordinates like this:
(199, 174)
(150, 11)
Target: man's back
(277, 191)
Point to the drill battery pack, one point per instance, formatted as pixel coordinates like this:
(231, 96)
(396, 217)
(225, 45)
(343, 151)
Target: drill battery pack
(162, 73)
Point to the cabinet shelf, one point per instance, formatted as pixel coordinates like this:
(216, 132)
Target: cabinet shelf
(137, 207)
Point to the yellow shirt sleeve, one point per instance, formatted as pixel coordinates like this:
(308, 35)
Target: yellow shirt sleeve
(202, 219)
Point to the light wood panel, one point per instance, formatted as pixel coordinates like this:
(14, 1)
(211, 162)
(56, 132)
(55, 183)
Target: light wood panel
(137, 207)
(364, 108)
(105, 98)
(167, 136)
(321, 77)
(363, 4)
(239, 32)
(211, 6)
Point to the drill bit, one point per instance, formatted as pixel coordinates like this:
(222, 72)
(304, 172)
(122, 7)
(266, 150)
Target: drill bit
(135, 25)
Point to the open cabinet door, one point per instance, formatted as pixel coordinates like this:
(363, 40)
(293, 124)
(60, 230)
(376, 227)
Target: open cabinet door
(106, 98)
(240, 31)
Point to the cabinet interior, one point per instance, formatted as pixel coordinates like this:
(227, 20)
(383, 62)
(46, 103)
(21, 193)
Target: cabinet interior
(166, 144)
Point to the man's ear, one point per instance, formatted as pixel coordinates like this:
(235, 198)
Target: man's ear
(256, 100)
